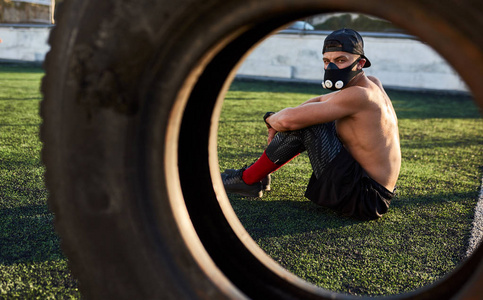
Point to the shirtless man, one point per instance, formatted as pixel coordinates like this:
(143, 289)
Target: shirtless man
(351, 137)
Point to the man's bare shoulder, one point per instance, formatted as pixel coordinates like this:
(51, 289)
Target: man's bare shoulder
(355, 95)
(366, 94)
(378, 83)
(375, 80)
(349, 93)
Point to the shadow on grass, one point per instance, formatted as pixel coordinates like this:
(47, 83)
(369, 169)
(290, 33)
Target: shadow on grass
(19, 99)
(264, 219)
(19, 125)
(27, 234)
(415, 198)
(21, 67)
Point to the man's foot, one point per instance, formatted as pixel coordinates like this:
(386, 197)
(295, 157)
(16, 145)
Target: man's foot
(266, 181)
(234, 183)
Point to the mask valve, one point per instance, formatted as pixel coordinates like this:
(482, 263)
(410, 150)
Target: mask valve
(339, 84)
(341, 77)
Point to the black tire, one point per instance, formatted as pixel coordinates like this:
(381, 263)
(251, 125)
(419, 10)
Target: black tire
(131, 91)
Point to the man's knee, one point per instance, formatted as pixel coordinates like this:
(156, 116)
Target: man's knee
(284, 147)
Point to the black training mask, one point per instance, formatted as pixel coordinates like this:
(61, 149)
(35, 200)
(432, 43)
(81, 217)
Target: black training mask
(336, 79)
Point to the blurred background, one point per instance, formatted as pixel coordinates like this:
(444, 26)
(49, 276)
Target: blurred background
(293, 53)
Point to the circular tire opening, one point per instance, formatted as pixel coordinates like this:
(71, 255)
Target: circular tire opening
(251, 270)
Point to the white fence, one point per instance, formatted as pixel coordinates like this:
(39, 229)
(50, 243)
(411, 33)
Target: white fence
(24, 43)
(397, 62)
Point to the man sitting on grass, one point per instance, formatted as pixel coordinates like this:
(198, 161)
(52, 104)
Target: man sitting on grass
(351, 137)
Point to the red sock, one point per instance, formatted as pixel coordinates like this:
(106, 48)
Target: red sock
(260, 169)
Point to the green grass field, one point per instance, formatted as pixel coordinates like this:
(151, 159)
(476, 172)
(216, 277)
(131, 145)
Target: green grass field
(423, 237)
(425, 234)
(32, 265)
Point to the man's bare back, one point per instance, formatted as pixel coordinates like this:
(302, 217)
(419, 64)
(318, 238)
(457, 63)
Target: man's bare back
(371, 135)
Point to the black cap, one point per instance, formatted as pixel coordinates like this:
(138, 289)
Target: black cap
(346, 40)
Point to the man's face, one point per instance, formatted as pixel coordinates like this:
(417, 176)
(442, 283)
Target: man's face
(341, 59)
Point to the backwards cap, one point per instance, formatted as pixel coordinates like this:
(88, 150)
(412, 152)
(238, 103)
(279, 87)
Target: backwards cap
(346, 40)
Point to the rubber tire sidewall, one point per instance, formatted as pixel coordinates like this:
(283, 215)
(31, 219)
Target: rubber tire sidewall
(119, 76)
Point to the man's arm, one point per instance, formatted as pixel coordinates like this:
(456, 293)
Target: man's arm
(315, 99)
(333, 107)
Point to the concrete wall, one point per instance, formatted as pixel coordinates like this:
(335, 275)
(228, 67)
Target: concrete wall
(397, 62)
(24, 43)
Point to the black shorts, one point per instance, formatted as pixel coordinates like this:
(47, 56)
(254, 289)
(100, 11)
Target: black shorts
(347, 188)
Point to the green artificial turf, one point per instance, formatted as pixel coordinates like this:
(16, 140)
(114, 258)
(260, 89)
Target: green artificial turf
(425, 234)
(32, 265)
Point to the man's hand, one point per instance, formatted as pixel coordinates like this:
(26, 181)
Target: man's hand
(271, 131)
(271, 135)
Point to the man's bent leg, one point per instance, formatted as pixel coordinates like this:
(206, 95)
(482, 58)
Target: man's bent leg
(259, 170)
(247, 182)
(283, 148)
(320, 141)
(322, 144)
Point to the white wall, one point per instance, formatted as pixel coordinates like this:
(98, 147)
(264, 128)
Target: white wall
(397, 62)
(24, 43)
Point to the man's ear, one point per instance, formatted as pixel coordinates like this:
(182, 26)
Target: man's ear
(362, 62)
